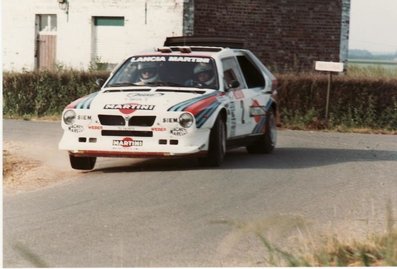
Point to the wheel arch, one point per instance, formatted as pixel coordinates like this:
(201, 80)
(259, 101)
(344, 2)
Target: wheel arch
(274, 107)
(223, 114)
(276, 113)
(211, 122)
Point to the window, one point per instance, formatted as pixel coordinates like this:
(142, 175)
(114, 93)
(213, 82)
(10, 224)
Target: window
(252, 75)
(47, 23)
(231, 71)
(109, 21)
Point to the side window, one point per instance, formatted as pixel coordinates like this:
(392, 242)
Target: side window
(231, 71)
(252, 75)
(228, 76)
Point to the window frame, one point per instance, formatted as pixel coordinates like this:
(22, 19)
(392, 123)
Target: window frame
(236, 70)
(248, 72)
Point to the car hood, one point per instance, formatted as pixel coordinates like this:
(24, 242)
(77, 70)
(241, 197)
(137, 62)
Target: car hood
(155, 99)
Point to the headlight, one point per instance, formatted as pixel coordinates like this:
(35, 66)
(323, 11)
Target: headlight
(186, 120)
(69, 117)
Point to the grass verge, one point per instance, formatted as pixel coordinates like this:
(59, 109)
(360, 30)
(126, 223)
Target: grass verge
(330, 250)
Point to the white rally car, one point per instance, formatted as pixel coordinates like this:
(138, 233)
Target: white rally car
(175, 101)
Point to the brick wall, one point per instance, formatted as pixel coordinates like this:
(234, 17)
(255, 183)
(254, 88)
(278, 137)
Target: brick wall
(285, 34)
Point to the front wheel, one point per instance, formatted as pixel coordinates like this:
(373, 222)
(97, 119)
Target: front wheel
(217, 144)
(267, 141)
(82, 163)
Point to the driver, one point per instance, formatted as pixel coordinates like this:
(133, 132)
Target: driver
(148, 72)
(204, 75)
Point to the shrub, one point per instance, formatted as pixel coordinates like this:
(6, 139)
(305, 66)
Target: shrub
(45, 93)
(355, 102)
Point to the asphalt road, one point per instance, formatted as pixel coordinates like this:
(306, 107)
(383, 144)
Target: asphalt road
(142, 212)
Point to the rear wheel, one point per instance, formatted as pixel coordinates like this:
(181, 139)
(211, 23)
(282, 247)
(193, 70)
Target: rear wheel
(82, 163)
(217, 144)
(267, 141)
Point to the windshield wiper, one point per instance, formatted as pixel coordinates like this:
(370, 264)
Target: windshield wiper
(164, 83)
(122, 84)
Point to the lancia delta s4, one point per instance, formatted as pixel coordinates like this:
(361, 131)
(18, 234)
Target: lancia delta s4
(176, 101)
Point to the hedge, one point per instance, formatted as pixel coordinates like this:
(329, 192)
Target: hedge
(45, 93)
(354, 101)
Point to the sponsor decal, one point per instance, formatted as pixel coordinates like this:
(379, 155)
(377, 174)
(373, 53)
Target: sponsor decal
(159, 129)
(142, 96)
(184, 59)
(95, 127)
(148, 59)
(257, 111)
(238, 94)
(128, 108)
(126, 128)
(233, 120)
(170, 120)
(84, 117)
(127, 142)
(179, 131)
(188, 59)
(76, 128)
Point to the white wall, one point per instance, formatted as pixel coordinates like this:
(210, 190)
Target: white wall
(74, 33)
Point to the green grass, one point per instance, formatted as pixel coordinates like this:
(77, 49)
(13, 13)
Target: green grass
(372, 69)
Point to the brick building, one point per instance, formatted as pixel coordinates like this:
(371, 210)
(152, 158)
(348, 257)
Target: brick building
(285, 34)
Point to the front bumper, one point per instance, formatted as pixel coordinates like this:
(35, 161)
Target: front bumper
(160, 144)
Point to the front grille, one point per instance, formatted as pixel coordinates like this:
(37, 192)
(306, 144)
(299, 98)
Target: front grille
(142, 121)
(114, 120)
(111, 120)
(127, 133)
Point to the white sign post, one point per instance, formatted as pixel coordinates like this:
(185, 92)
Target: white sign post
(329, 67)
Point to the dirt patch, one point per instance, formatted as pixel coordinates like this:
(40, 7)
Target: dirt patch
(22, 173)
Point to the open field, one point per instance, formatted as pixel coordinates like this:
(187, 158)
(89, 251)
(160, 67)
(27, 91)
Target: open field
(372, 68)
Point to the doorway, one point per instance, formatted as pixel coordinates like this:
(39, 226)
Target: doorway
(46, 41)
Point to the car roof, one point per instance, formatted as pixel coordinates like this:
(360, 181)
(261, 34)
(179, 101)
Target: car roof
(195, 51)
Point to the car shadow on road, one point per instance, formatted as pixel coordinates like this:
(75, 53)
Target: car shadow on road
(281, 158)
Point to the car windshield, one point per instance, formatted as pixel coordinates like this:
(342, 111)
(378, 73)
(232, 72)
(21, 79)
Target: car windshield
(176, 71)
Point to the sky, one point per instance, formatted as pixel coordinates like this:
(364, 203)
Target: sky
(373, 25)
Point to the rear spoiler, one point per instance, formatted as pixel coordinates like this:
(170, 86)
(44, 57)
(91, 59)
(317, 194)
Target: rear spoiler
(224, 42)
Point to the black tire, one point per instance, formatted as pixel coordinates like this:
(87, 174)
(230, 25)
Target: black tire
(267, 141)
(82, 163)
(217, 145)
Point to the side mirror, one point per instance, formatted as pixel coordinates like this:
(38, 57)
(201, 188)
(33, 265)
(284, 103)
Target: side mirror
(99, 82)
(233, 84)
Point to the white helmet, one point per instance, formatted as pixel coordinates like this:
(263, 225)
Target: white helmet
(152, 70)
(205, 68)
